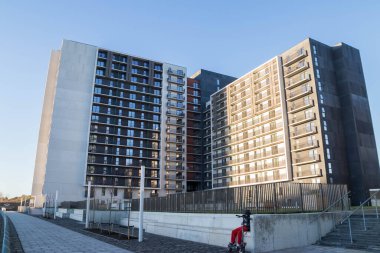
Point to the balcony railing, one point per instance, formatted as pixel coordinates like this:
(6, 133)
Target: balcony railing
(299, 92)
(177, 81)
(299, 119)
(305, 145)
(298, 80)
(176, 97)
(174, 149)
(308, 173)
(297, 68)
(176, 89)
(300, 105)
(304, 132)
(174, 177)
(174, 168)
(175, 122)
(176, 73)
(298, 160)
(301, 53)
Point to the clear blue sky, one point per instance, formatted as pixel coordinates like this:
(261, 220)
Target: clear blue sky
(230, 37)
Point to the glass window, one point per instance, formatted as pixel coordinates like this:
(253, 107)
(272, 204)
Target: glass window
(97, 99)
(130, 132)
(156, 109)
(98, 90)
(132, 105)
(131, 114)
(129, 151)
(132, 96)
(130, 142)
(131, 123)
(100, 72)
(156, 118)
(128, 161)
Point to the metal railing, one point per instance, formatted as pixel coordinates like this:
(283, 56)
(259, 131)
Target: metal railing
(283, 197)
(361, 207)
(4, 232)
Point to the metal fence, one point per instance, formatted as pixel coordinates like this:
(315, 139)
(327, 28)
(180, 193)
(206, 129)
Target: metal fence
(265, 198)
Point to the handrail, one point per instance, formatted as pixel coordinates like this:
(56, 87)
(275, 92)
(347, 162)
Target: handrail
(5, 240)
(330, 206)
(359, 207)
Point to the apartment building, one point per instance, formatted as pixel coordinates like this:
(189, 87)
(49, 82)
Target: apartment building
(303, 116)
(105, 115)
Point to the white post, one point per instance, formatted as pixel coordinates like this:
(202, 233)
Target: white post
(88, 203)
(55, 203)
(142, 182)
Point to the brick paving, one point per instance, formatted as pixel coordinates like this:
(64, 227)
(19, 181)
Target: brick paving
(37, 235)
(77, 236)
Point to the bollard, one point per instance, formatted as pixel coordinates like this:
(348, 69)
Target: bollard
(365, 227)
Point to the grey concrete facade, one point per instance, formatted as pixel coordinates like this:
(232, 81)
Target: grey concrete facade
(64, 138)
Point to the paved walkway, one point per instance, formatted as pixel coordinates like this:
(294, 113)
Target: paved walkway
(319, 249)
(37, 235)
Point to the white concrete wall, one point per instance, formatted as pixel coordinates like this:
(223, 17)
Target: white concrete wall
(269, 232)
(68, 133)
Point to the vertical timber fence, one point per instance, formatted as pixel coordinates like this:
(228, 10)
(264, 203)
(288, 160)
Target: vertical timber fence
(265, 198)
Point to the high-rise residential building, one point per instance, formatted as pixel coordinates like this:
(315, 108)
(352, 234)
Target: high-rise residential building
(107, 113)
(302, 116)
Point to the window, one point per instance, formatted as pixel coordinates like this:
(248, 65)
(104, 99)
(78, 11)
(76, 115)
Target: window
(142, 125)
(314, 49)
(115, 190)
(195, 100)
(321, 99)
(318, 75)
(325, 125)
(130, 142)
(320, 86)
(103, 191)
(156, 109)
(156, 126)
(130, 132)
(316, 61)
(140, 153)
(330, 167)
(129, 151)
(157, 84)
(131, 114)
(96, 99)
(156, 100)
(132, 96)
(142, 116)
(100, 72)
(157, 92)
(326, 139)
(328, 153)
(323, 112)
(117, 160)
(156, 118)
(132, 105)
(95, 108)
(109, 110)
(95, 118)
(141, 144)
(119, 122)
(98, 91)
(98, 81)
(128, 161)
(102, 54)
(131, 123)
(132, 87)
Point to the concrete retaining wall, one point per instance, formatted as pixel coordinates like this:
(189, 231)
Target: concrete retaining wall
(269, 232)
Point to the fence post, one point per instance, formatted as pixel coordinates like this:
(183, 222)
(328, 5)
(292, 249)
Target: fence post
(193, 201)
(226, 200)
(323, 202)
(301, 198)
(274, 198)
(257, 198)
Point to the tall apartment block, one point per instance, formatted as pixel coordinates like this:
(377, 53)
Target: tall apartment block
(302, 116)
(107, 113)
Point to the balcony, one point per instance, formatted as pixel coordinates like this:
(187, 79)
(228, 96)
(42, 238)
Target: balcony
(175, 140)
(174, 177)
(174, 168)
(262, 97)
(299, 92)
(298, 80)
(298, 133)
(174, 158)
(175, 131)
(175, 122)
(290, 59)
(176, 89)
(176, 97)
(175, 113)
(170, 186)
(305, 145)
(174, 149)
(140, 64)
(302, 118)
(300, 105)
(261, 85)
(178, 72)
(299, 160)
(176, 81)
(176, 105)
(308, 173)
(295, 69)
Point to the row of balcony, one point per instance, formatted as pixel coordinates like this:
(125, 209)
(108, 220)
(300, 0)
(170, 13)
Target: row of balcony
(299, 92)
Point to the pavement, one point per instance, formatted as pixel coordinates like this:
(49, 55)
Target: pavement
(40, 236)
(65, 235)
